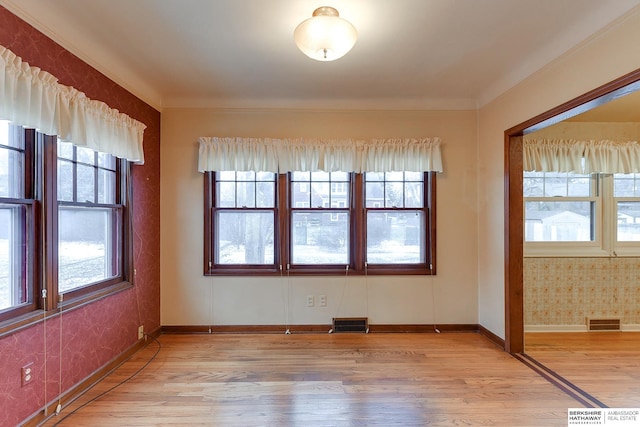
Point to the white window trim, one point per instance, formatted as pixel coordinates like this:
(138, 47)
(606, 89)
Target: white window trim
(605, 243)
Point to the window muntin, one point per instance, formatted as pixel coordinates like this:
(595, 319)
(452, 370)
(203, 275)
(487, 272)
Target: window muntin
(244, 218)
(396, 218)
(320, 229)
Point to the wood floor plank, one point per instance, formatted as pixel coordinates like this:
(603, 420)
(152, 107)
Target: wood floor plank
(457, 379)
(604, 364)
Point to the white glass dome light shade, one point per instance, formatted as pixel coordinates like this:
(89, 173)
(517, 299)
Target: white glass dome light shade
(325, 36)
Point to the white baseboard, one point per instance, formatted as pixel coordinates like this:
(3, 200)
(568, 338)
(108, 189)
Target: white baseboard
(630, 328)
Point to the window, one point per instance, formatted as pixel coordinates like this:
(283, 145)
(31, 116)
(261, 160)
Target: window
(245, 213)
(16, 222)
(571, 214)
(90, 217)
(395, 216)
(320, 232)
(626, 193)
(319, 223)
(560, 207)
(80, 225)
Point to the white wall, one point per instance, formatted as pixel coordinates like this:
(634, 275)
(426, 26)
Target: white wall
(605, 57)
(189, 298)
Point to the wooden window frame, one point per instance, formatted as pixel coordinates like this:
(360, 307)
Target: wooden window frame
(42, 236)
(282, 238)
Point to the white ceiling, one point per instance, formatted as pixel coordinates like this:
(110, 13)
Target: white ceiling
(240, 53)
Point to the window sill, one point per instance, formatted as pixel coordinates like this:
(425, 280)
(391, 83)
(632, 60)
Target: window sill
(321, 272)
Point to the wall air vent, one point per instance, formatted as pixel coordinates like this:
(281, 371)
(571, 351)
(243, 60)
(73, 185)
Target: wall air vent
(603, 324)
(350, 324)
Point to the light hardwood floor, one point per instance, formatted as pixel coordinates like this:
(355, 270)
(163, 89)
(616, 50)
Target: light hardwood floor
(448, 379)
(604, 364)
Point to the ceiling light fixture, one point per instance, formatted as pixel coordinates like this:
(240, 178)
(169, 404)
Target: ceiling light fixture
(325, 36)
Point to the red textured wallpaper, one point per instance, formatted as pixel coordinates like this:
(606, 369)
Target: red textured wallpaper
(94, 334)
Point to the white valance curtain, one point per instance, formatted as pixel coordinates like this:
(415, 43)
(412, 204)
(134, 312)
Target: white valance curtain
(33, 98)
(560, 155)
(304, 154)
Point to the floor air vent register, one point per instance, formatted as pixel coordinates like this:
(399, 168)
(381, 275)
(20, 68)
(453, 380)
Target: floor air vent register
(603, 324)
(350, 324)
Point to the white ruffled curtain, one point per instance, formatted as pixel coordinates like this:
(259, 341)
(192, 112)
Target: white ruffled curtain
(558, 155)
(33, 98)
(300, 154)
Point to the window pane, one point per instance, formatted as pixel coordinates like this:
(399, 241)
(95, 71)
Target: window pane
(533, 184)
(394, 195)
(394, 176)
(413, 192)
(628, 221)
(65, 181)
(107, 161)
(626, 185)
(374, 176)
(65, 150)
(375, 194)
(12, 283)
(414, 176)
(11, 173)
(301, 195)
(85, 184)
(340, 176)
(225, 176)
(106, 186)
(395, 237)
(265, 176)
(246, 194)
(554, 184)
(579, 185)
(571, 221)
(301, 176)
(85, 155)
(226, 194)
(320, 237)
(320, 176)
(244, 237)
(266, 194)
(319, 194)
(245, 176)
(11, 135)
(86, 251)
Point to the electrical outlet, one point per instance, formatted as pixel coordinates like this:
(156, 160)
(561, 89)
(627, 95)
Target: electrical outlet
(322, 300)
(310, 301)
(27, 373)
(140, 332)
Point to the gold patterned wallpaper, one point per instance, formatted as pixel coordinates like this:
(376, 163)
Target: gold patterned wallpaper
(565, 291)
